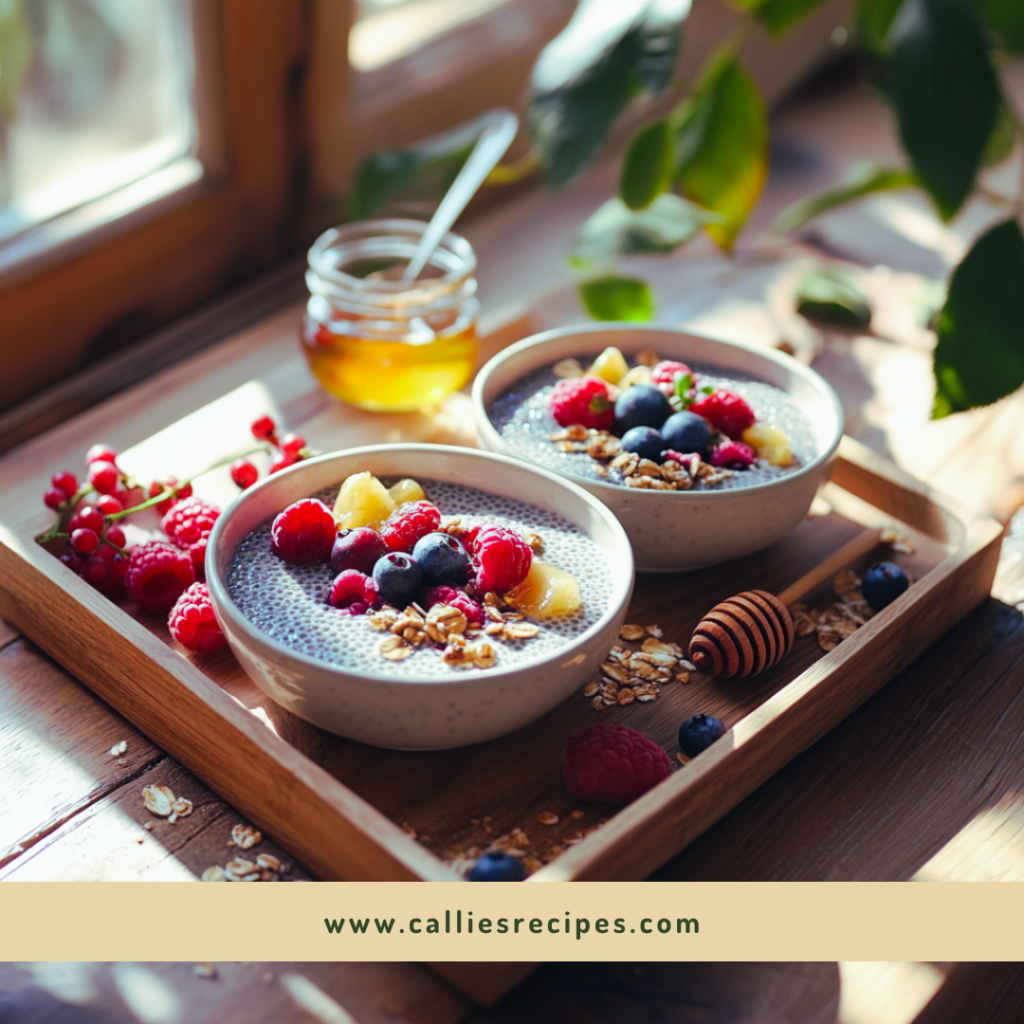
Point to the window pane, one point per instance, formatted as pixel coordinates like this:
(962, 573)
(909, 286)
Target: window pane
(98, 96)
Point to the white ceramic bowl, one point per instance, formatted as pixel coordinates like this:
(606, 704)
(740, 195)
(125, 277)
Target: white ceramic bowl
(676, 530)
(469, 706)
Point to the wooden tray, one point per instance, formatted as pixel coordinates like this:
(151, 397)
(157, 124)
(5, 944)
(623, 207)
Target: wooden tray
(347, 811)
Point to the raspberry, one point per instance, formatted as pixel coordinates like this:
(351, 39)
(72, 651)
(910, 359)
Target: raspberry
(733, 455)
(264, 429)
(104, 476)
(157, 575)
(408, 523)
(612, 764)
(100, 453)
(54, 498)
(725, 411)
(66, 482)
(244, 473)
(352, 587)
(304, 532)
(188, 525)
(502, 558)
(584, 401)
(192, 622)
(473, 610)
(664, 375)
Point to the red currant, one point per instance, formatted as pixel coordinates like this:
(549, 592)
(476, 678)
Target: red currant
(84, 542)
(95, 571)
(66, 482)
(264, 429)
(244, 473)
(87, 518)
(180, 493)
(54, 498)
(104, 476)
(115, 535)
(100, 453)
(281, 460)
(108, 505)
(292, 444)
(73, 563)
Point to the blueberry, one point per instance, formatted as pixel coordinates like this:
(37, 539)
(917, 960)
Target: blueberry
(444, 561)
(645, 442)
(698, 733)
(642, 405)
(687, 433)
(357, 549)
(882, 584)
(399, 578)
(497, 867)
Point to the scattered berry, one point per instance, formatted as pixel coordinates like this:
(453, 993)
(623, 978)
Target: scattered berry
(100, 453)
(642, 405)
(612, 764)
(192, 621)
(281, 460)
(108, 505)
(882, 584)
(84, 542)
(244, 473)
(408, 523)
(304, 532)
(726, 412)
(502, 558)
(54, 498)
(351, 587)
(666, 373)
(188, 524)
(698, 733)
(158, 574)
(104, 476)
(473, 610)
(357, 549)
(688, 433)
(733, 455)
(444, 561)
(66, 482)
(583, 400)
(495, 866)
(292, 444)
(398, 577)
(645, 442)
(264, 429)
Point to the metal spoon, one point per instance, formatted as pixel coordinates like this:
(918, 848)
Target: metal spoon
(495, 139)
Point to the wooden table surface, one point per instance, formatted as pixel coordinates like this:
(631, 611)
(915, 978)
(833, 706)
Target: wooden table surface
(375, 993)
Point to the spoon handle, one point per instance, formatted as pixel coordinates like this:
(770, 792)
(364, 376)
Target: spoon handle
(495, 139)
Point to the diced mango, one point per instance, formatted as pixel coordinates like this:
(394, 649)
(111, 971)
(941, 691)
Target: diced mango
(770, 442)
(405, 491)
(610, 365)
(546, 592)
(362, 501)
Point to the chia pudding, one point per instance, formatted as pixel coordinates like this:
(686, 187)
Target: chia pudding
(291, 602)
(525, 417)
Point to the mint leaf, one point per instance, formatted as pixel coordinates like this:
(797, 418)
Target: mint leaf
(647, 165)
(617, 298)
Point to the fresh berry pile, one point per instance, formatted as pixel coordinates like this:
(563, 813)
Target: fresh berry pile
(160, 575)
(660, 412)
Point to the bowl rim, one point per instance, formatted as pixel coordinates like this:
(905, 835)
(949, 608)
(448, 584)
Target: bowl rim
(224, 605)
(812, 377)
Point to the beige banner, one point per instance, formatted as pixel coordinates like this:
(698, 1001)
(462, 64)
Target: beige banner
(556, 921)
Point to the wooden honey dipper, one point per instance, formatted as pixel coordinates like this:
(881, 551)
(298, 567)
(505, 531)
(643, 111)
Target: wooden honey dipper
(748, 633)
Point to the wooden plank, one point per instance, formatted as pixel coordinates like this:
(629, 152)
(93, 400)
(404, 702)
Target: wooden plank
(982, 993)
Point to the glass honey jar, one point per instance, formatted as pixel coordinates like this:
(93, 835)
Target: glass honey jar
(376, 342)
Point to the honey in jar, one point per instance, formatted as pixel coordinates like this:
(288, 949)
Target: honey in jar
(381, 344)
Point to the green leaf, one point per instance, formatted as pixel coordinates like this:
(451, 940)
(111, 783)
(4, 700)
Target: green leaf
(946, 96)
(778, 15)
(617, 298)
(1003, 138)
(722, 146)
(874, 20)
(421, 172)
(832, 296)
(979, 357)
(615, 230)
(862, 181)
(579, 89)
(647, 166)
(15, 54)
(1006, 19)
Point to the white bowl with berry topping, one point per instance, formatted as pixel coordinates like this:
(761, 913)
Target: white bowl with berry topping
(725, 511)
(327, 664)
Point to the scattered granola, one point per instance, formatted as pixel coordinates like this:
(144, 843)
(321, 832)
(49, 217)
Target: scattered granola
(118, 749)
(548, 818)
(637, 674)
(203, 969)
(245, 837)
(839, 620)
(214, 874)
(158, 800)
